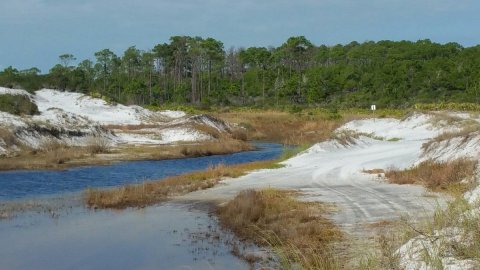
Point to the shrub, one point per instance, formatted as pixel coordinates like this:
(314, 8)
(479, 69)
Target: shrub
(298, 231)
(7, 137)
(17, 104)
(433, 175)
(98, 145)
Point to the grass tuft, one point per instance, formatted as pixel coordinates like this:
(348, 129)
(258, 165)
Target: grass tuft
(297, 231)
(152, 192)
(435, 176)
(220, 147)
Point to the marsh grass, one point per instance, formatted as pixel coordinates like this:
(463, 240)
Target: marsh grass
(7, 137)
(98, 145)
(127, 128)
(152, 192)
(446, 176)
(220, 147)
(53, 154)
(283, 127)
(296, 231)
(307, 126)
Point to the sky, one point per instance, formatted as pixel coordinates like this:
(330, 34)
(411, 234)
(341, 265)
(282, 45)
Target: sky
(33, 33)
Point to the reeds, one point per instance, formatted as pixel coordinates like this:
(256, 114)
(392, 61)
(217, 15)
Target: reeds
(434, 175)
(283, 127)
(152, 192)
(297, 231)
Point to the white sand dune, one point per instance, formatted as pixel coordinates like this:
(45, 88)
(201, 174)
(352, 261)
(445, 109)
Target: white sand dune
(68, 113)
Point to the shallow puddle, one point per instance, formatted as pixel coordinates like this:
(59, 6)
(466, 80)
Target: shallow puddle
(169, 236)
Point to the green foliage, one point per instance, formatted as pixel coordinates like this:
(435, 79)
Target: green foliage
(17, 104)
(295, 75)
(448, 106)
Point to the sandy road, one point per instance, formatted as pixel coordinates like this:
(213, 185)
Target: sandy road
(336, 177)
(332, 173)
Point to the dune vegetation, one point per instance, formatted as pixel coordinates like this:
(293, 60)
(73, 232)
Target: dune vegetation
(152, 192)
(298, 232)
(436, 176)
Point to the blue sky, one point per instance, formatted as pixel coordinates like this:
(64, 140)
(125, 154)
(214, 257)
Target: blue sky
(36, 32)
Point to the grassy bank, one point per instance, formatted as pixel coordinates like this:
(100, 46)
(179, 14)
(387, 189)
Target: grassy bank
(149, 193)
(298, 232)
(297, 128)
(54, 155)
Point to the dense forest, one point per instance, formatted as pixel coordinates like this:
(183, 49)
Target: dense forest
(202, 72)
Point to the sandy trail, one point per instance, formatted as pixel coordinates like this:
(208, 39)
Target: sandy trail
(331, 172)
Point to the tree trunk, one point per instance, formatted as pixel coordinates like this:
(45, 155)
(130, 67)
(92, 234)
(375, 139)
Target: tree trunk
(194, 83)
(263, 87)
(150, 87)
(209, 76)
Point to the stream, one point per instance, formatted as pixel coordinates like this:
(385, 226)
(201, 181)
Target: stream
(34, 183)
(165, 236)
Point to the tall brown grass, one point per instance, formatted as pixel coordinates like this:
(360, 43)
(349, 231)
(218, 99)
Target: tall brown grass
(434, 175)
(297, 231)
(7, 137)
(219, 147)
(126, 128)
(148, 193)
(53, 154)
(288, 128)
(208, 130)
(283, 127)
(98, 145)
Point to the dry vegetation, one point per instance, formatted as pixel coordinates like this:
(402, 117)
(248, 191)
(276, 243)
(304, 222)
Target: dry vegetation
(215, 148)
(374, 171)
(7, 137)
(446, 176)
(453, 231)
(284, 127)
(465, 134)
(297, 231)
(184, 150)
(126, 128)
(53, 154)
(301, 128)
(148, 193)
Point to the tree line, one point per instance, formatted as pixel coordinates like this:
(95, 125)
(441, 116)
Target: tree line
(201, 71)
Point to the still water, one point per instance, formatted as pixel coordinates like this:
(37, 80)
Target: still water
(166, 236)
(23, 184)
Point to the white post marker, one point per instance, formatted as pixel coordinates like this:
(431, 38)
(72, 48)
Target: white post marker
(373, 108)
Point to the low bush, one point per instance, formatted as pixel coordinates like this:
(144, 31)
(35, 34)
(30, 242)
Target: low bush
(433, 175)
(448, 106)
(98, 145)
(297, 231)
(7, 137)
(17, 104)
